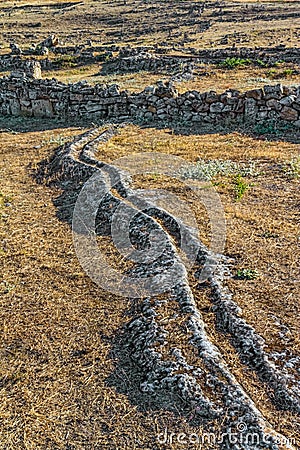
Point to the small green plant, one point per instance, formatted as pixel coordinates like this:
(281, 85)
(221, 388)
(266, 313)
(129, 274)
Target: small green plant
(5, 200)
(287, 72)
(269, 235)
(247, 274)
(204, 170)
(261, 63)
(266, 127)
(277, 74)
(233, 63)
(272, 73)
(240, 186)
(292, 168)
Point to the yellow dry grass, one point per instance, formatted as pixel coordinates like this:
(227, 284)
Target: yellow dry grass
(215, 78)
(141, 23)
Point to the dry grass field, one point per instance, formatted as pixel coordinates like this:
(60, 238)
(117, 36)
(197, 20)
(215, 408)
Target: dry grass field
(60, 383)
(246, 23)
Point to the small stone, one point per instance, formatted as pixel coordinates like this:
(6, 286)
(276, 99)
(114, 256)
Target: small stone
(216, 107)
(288, 114)
(51, 41)
(297, 124)
(274, 104)
(287, 101)
(113, 90)
(15, 49)
(152, 109)
(212, 97)
(255, 93)
(273, 92)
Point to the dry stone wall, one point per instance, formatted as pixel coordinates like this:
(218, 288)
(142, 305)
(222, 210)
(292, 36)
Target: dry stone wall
(12, 62)
(149, 58)
(21, 94)
(142, 59)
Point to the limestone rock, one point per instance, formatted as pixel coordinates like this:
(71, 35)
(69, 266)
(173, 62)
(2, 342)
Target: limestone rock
(288, 113)
(255, 93)
(273, 92)
(51, 41)
(15, 49)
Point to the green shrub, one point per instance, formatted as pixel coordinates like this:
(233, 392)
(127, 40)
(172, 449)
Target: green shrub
(240, 186)
(204, 170)
(247, 274)
(266, 127)
(292, 168)
(233, 63)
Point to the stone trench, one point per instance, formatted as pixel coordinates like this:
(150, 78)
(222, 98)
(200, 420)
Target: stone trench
(207, 388)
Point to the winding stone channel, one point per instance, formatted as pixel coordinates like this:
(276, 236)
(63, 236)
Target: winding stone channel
(207, 388)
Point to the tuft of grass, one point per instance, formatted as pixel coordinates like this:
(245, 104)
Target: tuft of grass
(207, 170)
(291, 168)
(6, 287)
(240, 186)
(57, 140)
(5, 200)
(247, 274)
(269, 235)
(65, 61)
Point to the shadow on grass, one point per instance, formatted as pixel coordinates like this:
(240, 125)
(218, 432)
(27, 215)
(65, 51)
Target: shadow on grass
(268, 130)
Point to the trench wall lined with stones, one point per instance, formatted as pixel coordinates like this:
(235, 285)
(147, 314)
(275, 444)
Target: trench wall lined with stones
(23, 95)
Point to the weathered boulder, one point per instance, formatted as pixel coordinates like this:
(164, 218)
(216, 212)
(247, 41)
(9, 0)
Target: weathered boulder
(216, 107)
(257, 94)
(15, 49)
(288, 113)
(42, 108)
(273, 92)
(287, 101)
(251, 110)
(51, 41)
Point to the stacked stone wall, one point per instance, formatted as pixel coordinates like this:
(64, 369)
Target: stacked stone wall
(23, 95)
